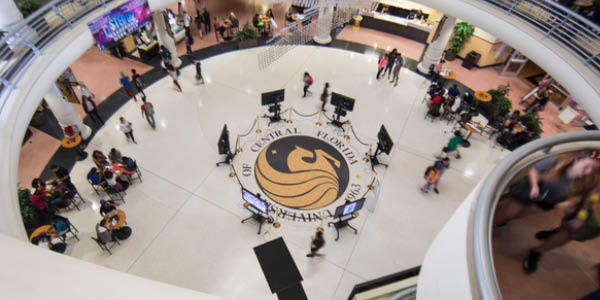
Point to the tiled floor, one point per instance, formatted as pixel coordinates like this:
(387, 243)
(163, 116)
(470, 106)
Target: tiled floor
(186, 211)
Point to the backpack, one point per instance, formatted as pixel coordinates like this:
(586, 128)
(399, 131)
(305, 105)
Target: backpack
(428, 170)
(310, 80)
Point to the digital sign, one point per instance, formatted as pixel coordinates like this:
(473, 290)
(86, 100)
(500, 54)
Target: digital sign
(120, 22)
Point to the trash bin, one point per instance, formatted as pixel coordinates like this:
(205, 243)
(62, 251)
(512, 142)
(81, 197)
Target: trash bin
(471, 60)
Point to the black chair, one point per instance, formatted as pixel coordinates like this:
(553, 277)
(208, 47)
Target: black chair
(105, 239)
(70, 228)
(97, 187)
(113, 194)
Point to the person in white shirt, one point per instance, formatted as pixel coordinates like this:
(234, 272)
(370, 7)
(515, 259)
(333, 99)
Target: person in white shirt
(89, 106)
(127, 129)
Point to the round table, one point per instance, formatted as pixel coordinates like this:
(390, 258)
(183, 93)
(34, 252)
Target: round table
(483, 96)
(471, 128)
(121, 217)
(74, 142)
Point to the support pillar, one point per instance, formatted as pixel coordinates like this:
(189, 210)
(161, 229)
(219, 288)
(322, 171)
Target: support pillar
(65, 112)
(165, 36)
(325, 20)
(434, 51)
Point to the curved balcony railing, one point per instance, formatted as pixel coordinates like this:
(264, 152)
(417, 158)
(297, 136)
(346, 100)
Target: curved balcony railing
(481, 258)
(572, 31)
(34, 34)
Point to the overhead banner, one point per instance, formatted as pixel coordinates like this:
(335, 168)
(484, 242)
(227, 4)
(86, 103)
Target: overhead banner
(119, 22)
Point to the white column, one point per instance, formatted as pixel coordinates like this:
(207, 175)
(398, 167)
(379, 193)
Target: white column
(325, 20)
(9, 14)
(164, 36)
(65, 112)
(434, 51)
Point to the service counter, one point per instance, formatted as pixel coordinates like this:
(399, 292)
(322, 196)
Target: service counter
(415, 29)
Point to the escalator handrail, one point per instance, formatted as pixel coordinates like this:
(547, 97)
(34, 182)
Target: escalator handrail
(482, 258)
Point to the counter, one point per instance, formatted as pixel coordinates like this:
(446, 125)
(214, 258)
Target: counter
(411, 29)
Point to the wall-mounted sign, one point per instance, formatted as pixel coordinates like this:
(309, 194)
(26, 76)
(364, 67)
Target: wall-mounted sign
(119, 22)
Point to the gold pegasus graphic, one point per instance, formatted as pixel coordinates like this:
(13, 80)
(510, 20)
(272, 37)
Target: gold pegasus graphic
(307, 186)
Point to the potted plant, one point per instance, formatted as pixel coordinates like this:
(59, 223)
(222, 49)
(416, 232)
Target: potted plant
(246, 37)
(30, 219)
(533, 122)
(462, 32)
(27, 7)
(500, 104)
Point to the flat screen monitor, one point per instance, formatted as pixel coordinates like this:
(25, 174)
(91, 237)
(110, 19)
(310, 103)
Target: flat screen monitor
(272, 97)
(223, 143)
(385, 141)
(349, 208)
(342, 101)
(255, 201)
(120, 22)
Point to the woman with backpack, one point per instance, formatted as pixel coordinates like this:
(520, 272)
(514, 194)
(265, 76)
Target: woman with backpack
(308, 81)
(432, 175)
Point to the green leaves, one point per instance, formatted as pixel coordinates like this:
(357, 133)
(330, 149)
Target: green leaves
(462, 32)
(247, 33)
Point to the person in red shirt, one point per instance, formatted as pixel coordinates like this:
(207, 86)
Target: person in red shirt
(434, 105)
(37, 197)
(148, 111)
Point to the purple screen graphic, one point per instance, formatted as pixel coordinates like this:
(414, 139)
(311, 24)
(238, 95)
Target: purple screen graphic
(120, 22)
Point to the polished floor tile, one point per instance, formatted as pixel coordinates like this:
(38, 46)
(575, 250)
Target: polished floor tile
(186, 214)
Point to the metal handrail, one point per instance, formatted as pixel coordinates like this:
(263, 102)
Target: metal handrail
(23, 42)
(560, 24)
(493, 186)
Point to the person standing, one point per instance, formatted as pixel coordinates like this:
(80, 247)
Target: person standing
(199, 77)
(127, 129)
(187, 21)
(138, 81)
(317, 243)
(381, 63)
(127, 86)
(399, 61)
(173, 73)
(443, 164)
(148, 112)
(308, 81)
(206, 16)
(199, 20)
(324, 96)
(89, 106)
(390, 63)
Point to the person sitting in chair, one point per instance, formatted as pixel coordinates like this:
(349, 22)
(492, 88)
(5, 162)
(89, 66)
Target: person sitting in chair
(108, 208)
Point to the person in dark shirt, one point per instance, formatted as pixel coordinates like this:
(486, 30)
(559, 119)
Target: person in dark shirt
(62, 174)
(107, 207)
(198, 70)
(206, 16)
(317, 243)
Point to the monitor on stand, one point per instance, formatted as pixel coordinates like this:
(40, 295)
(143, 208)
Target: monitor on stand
(273, 99)
(345, 213)
(223, 146)
(384, 144)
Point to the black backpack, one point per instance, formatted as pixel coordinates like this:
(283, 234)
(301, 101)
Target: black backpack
(129, 163)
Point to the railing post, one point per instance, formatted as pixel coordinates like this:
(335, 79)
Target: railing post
(589, 59)
(60, 15)
(557, 25)
(513, 6)
(29, 44)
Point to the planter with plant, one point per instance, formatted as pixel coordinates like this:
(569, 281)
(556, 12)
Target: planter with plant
(28, 214)
(27, 7)
(500, 104)
(463, 31)
(246, 37)
(533, 122)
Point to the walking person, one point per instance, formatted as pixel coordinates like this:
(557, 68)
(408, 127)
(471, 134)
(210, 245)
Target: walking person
(206, 16)
(199, 77)
(148, 112)
(89, 106)
(127, 129)
(452, 146)
(199, 20)
(399, 61)
(443, 164)
(432, 175)
(139, 83)
(308, 81)
(324, 96)
(189, 41)
(173, 73)
(317, 243)
(165, 54)
(127, 86)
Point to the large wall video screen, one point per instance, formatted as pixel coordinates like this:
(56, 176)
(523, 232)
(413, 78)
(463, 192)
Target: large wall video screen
(119, 22)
